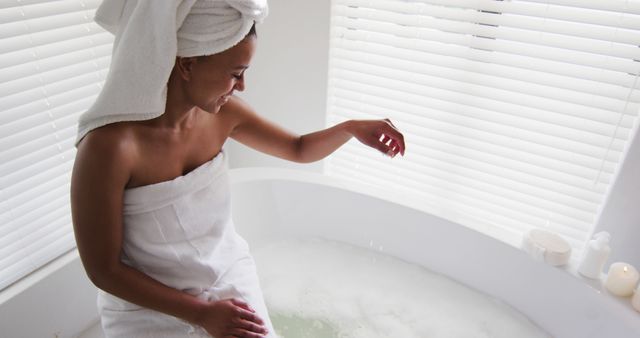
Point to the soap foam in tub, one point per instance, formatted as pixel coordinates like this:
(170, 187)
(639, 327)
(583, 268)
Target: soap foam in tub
(317, 288)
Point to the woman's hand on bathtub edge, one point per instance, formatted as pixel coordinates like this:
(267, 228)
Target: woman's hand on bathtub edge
(378, 134)
(231, 318)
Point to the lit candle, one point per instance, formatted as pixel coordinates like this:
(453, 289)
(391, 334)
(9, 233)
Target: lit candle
(636, 300)
(622, 279)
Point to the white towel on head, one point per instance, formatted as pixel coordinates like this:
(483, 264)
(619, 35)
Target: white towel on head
(214, 26)
(147, 36)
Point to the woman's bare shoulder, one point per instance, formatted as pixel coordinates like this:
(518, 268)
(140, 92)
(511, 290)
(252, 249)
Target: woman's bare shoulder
(108, 152)
(116, 139)
(236, 112)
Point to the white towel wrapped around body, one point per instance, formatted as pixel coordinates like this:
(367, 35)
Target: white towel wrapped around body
(149, 34)
(180, 233)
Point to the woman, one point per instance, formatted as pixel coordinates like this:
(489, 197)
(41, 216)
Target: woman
(160, 279)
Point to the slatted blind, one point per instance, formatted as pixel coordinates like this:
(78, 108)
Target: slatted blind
(516, 114)
(53, 60)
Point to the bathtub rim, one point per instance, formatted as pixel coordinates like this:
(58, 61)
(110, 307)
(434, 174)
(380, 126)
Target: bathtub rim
(251, 174)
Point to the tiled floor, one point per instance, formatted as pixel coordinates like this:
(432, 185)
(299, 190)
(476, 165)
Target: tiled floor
(93, 332)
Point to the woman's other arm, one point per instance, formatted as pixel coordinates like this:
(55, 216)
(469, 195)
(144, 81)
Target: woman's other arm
(258, 133)
(101, 171)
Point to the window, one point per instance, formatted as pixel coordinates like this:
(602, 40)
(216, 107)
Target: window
(516, 114)
(53, 60)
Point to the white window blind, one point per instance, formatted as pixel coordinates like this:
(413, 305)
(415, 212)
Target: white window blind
(53, 60)
(516, 113)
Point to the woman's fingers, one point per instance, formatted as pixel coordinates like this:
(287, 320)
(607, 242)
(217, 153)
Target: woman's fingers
(392, 145)
(234, 318)
(249, 316)
(392, 138)
(396, 136)
(381, 135)
(242, 304)
(249, 326)
(239, 333)
(246, 317)
(246, 323)
(391, 123)
(243, 334)
(386, 145)
(380, 145)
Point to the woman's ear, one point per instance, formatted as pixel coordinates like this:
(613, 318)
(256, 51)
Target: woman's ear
(184, 66)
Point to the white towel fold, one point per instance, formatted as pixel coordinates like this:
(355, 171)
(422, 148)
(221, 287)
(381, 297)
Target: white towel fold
(149, 34)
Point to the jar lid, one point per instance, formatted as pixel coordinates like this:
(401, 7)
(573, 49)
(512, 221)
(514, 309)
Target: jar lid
(547, 246)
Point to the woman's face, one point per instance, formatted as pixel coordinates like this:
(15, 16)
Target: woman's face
(212, 79)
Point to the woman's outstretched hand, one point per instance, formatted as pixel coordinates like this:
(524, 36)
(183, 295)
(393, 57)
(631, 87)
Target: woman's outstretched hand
(231, 318)
(379, 134)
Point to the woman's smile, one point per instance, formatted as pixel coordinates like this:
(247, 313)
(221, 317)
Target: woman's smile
(224, 99)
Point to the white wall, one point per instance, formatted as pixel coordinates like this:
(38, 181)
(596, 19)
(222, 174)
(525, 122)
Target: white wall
(287, 80)
(621, 215)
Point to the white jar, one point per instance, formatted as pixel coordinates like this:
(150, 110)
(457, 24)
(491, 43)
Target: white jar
(595, 255)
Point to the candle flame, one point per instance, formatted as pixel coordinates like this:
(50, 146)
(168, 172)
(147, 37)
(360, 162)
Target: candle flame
(625, 269)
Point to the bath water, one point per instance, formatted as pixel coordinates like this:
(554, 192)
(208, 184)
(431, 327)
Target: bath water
(322, 289)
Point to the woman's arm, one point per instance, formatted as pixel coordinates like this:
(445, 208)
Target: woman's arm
(101, 171)
(378, 134)
(258, 133)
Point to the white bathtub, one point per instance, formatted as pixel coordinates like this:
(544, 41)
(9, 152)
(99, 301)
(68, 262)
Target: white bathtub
(273, 203)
